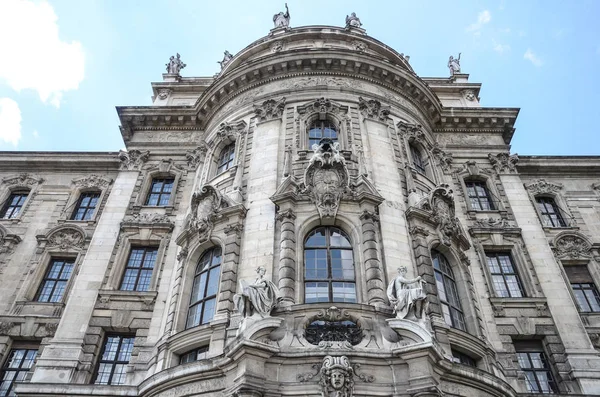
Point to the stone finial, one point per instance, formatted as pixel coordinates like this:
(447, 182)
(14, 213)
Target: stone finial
(454, 65)
(281, 19)
(352, 21)
(175, 65)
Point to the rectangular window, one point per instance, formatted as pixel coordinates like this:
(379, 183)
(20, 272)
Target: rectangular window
(504, 275)
(138, 271)
(55, 281)
(15, 368)
(551, 215)
(479, 196)
(195, 355)
(533, 362)
(584, 289)
(116, 353)
(14, 204)
(418, 162)
(86, 205)
(160, 192)
(462, 358)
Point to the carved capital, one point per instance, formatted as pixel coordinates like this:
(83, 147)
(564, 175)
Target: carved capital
(195, 156)
(234, 228)
(231, 130)
(133, 160)
(270, 109)
(504, 162)
(373, 109)
(444, 159)
(369, 216)
(287, 214)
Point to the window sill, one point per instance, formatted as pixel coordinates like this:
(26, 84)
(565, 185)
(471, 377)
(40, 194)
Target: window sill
(13, 221)
(550, 229)
(519, 307)
(223, 177)
(33, 308)
(590, 319)
(192, 338)
(136, 300)
(89, 222)
(475, 347)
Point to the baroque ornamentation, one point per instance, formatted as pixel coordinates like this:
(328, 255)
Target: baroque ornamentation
(504, 162)
(307, 376)
(337, 377)
(277, 46)
(493, 223)
(412, 132)
(133, 160)
(22, 180)
(469, 95)
(289, 213)
(352, 21)
(147, 219)
(408, 297)
(66, 238)
(541, 186)
(205, 206)
(195, 156)
(227, 57)
(444, 159)
(270, 109)
(373, 109)
(326, 178)
(441, 203)
(364, 377)
(572, 246)
(5, 327)
(328, 334)
(258, 298)
(92, 180)
(281, 19)
(313, 81)
(164, 93)
(231, 130)
(359, 46)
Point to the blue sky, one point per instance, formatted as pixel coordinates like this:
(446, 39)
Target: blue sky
(68, 63)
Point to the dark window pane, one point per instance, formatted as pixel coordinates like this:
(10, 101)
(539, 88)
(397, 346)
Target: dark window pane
(447, 292)
(479, 196)
(115, 357)
(551, 215)
(160, 192)
(504, 276)
(138, 272)
(85, 206)
(55, 280)
(205, 288)
(12, 206)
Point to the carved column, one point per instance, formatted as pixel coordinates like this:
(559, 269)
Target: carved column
(229, 268)
(287, 256)
(373, 271)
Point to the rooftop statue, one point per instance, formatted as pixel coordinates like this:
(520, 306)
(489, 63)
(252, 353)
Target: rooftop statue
(407, 296)
(353, 21)
(175, 65)
(281, 20)
(454, 65)
(226, 58)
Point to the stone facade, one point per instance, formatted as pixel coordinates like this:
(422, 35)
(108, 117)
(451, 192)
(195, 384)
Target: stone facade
(417, 175)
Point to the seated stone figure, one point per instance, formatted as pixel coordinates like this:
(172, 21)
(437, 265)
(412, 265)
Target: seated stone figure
(258, 298)
(407, 296)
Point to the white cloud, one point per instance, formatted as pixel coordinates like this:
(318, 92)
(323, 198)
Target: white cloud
(501, 48)
(32, 56)
(10, 121)
(36, 134)
(483, 18)
(530, 56)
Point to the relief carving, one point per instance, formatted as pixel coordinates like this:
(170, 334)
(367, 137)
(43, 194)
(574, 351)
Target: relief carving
(231, 130)
(444, 159)
(504, 162)
(205, 206)
(147, 219)
(407, 296)
(195, 156)
(337, 377)
(320, 80)
(65, 238)
(572, 246)
(91, 181)
(373, 109)
(270, 109)
(133, 160)
(541, 186)
(326, 177)
(23, 180)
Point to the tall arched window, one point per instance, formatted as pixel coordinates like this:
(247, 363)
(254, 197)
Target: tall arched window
(226, 158)
(417, 160)
(447, 292)
(328, 267)
(205, 287)
(321, 129)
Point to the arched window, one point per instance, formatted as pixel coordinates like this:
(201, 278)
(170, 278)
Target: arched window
(328, 267)
(321, 129)
(480, 197)
(417, 160)
(204, 289)
(447, 292)
(226, 158)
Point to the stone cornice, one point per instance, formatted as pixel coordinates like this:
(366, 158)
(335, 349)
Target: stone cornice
(98, 162)
(479, 119)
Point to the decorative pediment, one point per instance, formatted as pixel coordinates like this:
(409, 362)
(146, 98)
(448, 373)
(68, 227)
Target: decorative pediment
(231, 130)
(270, 109)
(22, 180)
(438, 209)
(322, 107)
(326, 178)
(133, 160)
(541, 186)
(64, 237)
(373, 109)
(92, 181)
(571, 245)
(504, 162)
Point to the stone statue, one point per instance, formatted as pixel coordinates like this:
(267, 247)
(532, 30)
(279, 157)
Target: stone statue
(336, 377)
(281, 20)
(407, 296)
(353, 21)
(175, 65)
(258, 298)
(454, 65)
(227, 57)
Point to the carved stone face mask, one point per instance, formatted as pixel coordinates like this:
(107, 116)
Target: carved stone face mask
(337, 379)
